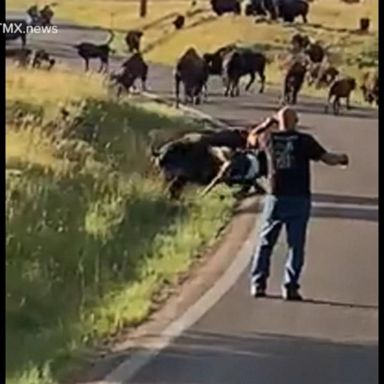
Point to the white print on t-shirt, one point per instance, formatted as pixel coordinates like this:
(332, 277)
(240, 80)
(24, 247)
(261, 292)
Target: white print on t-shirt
(284, 154)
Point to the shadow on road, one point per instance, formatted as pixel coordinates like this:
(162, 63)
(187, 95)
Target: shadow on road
(330, 303)
(366, 207)
(315, 108)
(345, 199)
(207, 358)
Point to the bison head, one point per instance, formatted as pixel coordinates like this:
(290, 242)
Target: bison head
(169, 157)
(214, 63)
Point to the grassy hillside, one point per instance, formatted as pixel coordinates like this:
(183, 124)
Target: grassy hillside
(91, 238)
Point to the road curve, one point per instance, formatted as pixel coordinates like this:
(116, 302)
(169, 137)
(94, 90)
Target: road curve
(330, 338)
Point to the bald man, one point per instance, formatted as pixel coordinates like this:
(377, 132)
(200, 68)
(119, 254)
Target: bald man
(288, 200)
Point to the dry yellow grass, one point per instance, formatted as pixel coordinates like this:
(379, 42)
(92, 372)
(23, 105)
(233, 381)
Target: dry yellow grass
(330, 21)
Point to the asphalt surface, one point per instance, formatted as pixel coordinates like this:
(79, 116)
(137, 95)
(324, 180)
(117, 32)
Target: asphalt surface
(330, 338)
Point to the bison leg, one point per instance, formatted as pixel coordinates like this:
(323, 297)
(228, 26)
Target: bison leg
(86, 63)
(227, 86)
(294, 96)
(23, 40)
(251, 81)
(205, 91)
(348, 102)
(232, 89)
(336, 105)
(262, 82)
(176, 187)
(197, 99)
(143, 84)
(326, 108)
(236, 88)
(101, 66)
(304, 16)
(177, 90)
(104, 65)
(286, 92)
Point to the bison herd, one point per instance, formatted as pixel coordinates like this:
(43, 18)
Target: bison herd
(307, 61)
(227, 155)
(286, 10)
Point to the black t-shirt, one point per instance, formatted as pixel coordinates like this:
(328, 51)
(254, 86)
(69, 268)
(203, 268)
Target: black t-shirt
(289, 155)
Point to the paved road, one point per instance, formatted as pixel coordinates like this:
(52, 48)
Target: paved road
(331, 338)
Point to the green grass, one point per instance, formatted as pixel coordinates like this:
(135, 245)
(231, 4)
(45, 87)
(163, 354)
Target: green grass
(91, 238)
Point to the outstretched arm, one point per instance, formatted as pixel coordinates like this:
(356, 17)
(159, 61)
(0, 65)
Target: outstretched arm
(218, 178)
(317, 152)
(332, 159)
(253, 136)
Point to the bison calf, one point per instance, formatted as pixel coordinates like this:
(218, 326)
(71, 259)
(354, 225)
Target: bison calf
(299, 42)
(322, 75)
(89, 51)
(179, 22)
(340, 89)
(21, 56)
(132, 69)
(40, 57)
(370, 87)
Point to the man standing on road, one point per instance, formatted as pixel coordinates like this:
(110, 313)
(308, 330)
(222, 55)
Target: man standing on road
(288, 201)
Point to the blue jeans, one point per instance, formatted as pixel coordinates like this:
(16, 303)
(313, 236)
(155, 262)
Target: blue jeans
(294, 213)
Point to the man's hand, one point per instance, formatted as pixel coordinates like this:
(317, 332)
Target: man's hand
(344, 160)
(219, 177)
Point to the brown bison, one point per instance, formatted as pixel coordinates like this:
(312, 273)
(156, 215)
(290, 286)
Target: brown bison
(302, 43)
(293, 81)
(215, 60)
(132, 69)
(340, 89)
(88, 51)
(226, 6)
(288, 10)
(242, 62)
(21, 56)
(299, 42)
(41, 56)
(315, 52)
(199, 159)
(322, 74)
(370, 87)
(191, 71)
(133, 40)
(179, 22)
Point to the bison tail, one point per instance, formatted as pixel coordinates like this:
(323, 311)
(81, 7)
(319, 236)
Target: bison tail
(111, 37)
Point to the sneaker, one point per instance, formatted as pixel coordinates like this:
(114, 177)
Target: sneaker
(292, 294)
(258, 291)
